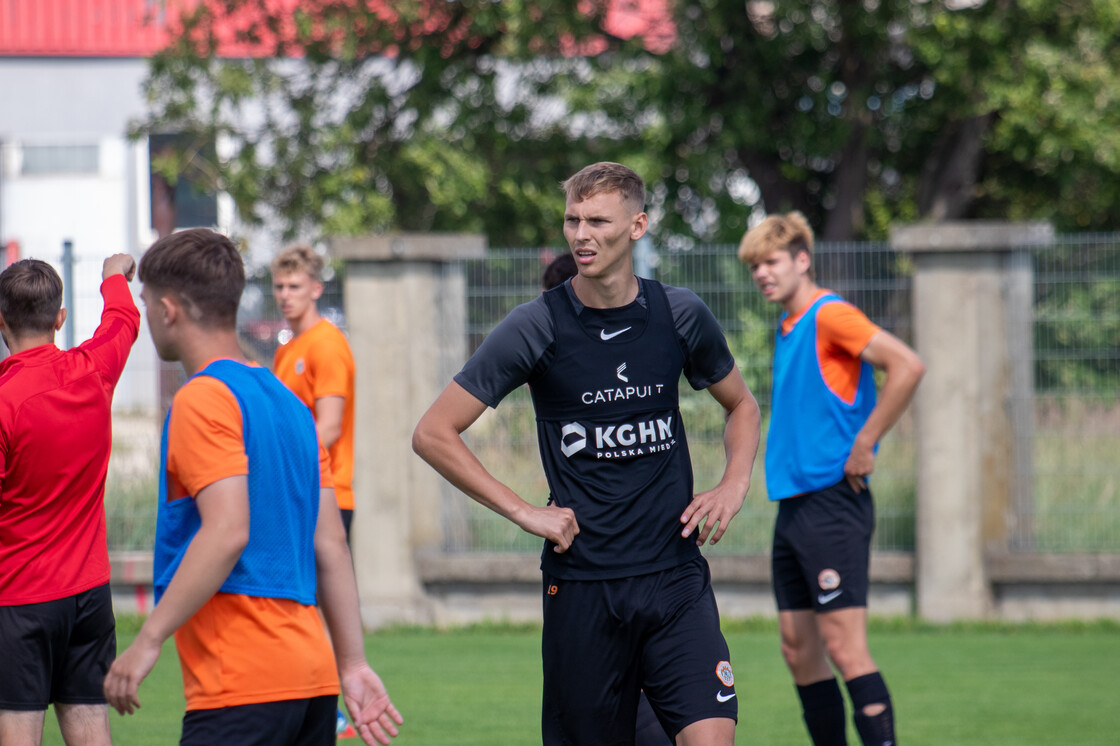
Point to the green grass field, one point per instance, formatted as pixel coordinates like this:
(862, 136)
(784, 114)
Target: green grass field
(1018, 685)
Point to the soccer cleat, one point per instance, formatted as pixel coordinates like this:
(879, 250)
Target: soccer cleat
(342, 727)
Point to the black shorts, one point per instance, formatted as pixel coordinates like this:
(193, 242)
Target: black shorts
(605, 641)
(291, 722)
(822, 546)
(57, 651)
(347, 519)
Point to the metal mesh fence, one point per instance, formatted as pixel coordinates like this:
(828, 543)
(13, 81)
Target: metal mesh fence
(1071, 500)
(870, 275)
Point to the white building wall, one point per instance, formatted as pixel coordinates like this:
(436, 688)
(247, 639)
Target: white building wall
(80, 102)
(83, 102)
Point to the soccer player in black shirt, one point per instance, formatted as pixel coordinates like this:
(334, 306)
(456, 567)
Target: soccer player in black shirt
(628, 604)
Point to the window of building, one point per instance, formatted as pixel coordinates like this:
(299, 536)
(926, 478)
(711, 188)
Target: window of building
(42, 160)
(187, 203)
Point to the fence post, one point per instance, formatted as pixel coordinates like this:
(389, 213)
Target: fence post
(68, 292)
(405, 297)
(972, 295)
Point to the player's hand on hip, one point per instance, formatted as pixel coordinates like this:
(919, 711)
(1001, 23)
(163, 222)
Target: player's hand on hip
(128, 670)
(375, 718)
(710, 513)
(119, 264)
(860, 463)
(558, 525)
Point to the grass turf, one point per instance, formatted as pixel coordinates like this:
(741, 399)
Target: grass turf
(986, 684)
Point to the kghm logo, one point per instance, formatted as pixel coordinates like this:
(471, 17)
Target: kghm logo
(572, 439)
(621, 377)
(620, 441)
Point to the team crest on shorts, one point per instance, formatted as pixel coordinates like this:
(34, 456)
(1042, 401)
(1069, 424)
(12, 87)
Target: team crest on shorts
(299, 366)
(724, 674)
(828, 580)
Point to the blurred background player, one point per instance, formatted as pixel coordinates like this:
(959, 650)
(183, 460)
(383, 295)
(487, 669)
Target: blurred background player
(647, 729)
(57, 630)
(823, 383)
(627, 595)
(248, 534)
(558, 270)
(317, 365)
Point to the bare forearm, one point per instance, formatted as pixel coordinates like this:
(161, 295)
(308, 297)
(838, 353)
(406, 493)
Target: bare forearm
(329, 411)
(338, 600)
(740, 442)
(328, 433)
(898, 390)
(438, 440)
(447, 453)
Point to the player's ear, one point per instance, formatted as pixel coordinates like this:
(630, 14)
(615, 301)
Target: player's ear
(641, 223)
(59, 319)
(803, 261)
(170, 307)
(316, 290)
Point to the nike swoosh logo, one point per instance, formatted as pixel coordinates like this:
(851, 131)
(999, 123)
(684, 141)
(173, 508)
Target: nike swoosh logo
(721, 697)
(826, 597)
(604, 336)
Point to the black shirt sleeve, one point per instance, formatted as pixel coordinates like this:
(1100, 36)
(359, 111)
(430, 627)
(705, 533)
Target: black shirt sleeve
(509, 353)
(708, 359)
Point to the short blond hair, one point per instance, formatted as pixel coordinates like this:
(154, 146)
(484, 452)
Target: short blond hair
(298, 258)
(602, 177)
(789, 232)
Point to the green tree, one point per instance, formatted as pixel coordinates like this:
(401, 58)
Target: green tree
(353, 116)
(864, 114)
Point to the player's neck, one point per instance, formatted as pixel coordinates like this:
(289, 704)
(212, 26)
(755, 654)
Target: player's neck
(606, 292)
(304, 322)
(202, 346)
(801, 298)
(17, 345)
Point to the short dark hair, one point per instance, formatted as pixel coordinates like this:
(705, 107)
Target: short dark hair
(203, 269)
(30, 297)
(606, 177)
(558, 270)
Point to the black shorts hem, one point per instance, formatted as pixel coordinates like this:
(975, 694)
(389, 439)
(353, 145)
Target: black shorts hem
(82, 701)
(23, 707)
(822, 610)
(698, 716)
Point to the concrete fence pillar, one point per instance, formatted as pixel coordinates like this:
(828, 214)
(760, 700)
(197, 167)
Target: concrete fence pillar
(405, 298)
(972, 294)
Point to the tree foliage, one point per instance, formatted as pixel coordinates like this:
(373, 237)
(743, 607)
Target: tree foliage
(356, 116)
(864, 114)
(353, 116)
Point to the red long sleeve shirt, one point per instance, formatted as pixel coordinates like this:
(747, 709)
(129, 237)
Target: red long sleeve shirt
(55, 438)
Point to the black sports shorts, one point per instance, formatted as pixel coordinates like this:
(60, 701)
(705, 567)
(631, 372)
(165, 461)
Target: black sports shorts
(57, 651)
(290, 722)
(347, 519)
(822, 546)
(605, 641)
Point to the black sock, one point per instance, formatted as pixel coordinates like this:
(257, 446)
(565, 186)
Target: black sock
(822, 707)
(870, 689)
